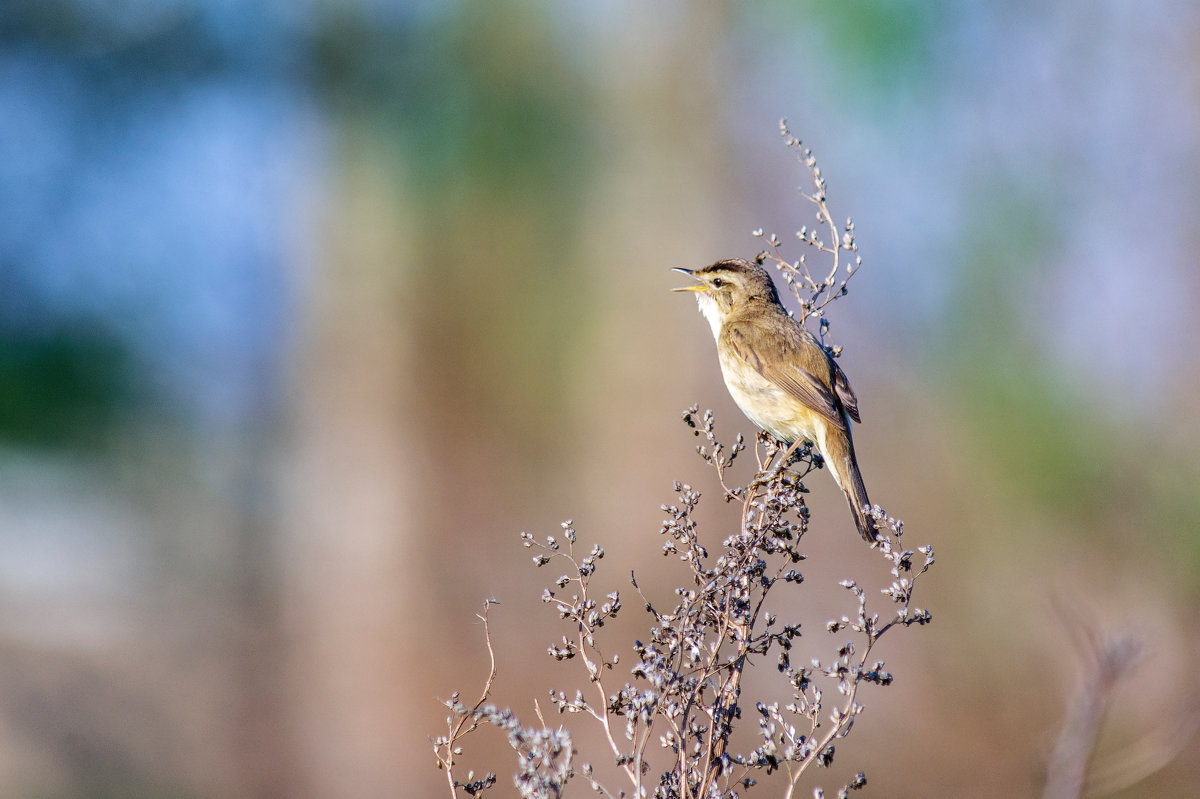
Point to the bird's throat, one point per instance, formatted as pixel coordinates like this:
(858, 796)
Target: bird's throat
(712, 311)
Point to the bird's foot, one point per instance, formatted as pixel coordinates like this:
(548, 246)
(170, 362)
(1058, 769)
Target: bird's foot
(793, 453)
(765, 477)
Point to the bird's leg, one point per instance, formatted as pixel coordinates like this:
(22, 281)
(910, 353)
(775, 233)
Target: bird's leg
(787, 456)
(767, 476)
(764, 441)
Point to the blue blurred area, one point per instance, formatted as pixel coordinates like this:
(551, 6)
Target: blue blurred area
(156, 164)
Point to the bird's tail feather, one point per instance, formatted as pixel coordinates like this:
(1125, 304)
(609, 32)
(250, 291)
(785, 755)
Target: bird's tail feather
(856, 495)
(849, 479)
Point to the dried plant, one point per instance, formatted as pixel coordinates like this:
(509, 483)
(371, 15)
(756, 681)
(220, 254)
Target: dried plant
(670, 726)
(1104, 661)
(825, 238)
(1105, 657)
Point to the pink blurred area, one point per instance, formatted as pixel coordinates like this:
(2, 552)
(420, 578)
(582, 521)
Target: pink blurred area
(477, 339)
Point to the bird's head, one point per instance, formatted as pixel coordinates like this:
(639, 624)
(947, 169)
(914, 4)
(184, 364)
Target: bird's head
(729, 286)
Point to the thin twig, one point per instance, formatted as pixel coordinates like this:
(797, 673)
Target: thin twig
(470, 717)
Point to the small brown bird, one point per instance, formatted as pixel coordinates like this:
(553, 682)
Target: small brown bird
(779, 374)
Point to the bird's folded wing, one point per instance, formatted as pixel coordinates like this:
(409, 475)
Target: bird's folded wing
(784, 372)
(841, 387)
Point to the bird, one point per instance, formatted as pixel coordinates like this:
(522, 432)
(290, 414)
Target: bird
(779, 375)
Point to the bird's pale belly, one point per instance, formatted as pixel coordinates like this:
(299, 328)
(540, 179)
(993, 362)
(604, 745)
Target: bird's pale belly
(769, 407)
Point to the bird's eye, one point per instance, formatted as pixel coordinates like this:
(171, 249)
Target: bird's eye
(718, 282)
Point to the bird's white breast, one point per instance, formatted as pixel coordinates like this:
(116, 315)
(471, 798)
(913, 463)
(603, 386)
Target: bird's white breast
(769, 406)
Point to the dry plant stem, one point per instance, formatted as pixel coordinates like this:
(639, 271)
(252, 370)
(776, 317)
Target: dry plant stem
(716, 457)
(1105, 662)
(691, 674)
(1149, 754)
(727, 697)
(582, 636)
(739, 632)
(821, 292)
(469, 722)
(838, 729)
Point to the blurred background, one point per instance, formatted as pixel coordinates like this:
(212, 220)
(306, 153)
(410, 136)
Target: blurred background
(308, 308)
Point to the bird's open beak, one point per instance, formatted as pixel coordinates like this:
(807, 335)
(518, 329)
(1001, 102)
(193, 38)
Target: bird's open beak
(700, 286)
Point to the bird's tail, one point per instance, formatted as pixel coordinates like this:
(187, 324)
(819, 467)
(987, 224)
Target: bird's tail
(856, 495)
(839, 456)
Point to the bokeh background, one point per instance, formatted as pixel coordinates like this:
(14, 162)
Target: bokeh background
(308, 308)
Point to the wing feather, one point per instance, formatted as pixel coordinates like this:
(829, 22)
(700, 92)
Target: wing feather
(786, 369)
(841, 387)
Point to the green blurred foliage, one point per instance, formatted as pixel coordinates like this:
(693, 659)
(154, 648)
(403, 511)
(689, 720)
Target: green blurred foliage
(1045, 443)
(483, 95)
(1042, 437)
(484, 119)
(880, 46)
(66, 388)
